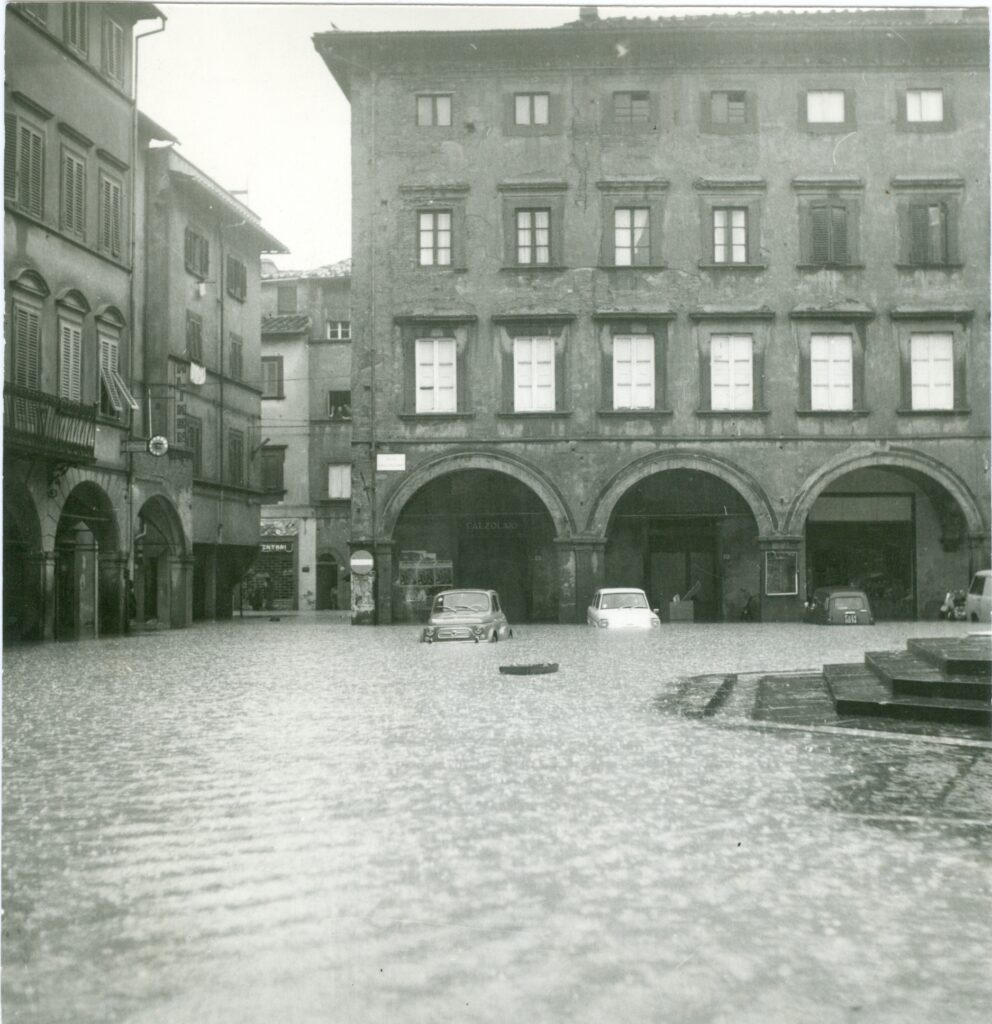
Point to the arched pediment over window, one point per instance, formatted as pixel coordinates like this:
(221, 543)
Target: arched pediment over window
(30, 281)
(110, 315)
(72, 298)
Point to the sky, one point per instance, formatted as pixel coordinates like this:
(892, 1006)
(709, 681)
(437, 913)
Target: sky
(253, 105)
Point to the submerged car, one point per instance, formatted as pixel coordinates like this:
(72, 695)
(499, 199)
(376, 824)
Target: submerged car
(839, 606)
(621, 608)
(472, 615)
(978, 603)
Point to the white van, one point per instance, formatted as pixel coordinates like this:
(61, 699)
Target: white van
(978, 603)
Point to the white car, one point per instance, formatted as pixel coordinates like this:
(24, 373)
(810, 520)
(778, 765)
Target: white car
(621, 608)
(978, 603)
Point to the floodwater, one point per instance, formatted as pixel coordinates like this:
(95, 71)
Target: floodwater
(296, 821)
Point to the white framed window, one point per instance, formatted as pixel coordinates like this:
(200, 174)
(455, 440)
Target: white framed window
(339, 481)
(831, 370)
(114, 393)
(531, 108)
(932, 370)
(434, 111)
(436, 377)
(825, 106)
(533, 374)
(925, 105)
(338, 330)
(633, 371)
(631, 107)
(70, 359)
(729, 234)
(631, 236)
(435, 238)
(728, 107)
(533, 236)
(731, 372)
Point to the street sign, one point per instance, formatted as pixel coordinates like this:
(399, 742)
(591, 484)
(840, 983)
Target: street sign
(361, 563)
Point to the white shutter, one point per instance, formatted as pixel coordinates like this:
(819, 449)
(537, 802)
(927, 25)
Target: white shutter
(533, 374)
(633, 371)
(731, 372)
(70, 360)
(932, 371)
(436, 375)
(825, 107)
(831, 371)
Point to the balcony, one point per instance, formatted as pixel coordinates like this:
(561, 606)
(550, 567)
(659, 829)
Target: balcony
(48, 426)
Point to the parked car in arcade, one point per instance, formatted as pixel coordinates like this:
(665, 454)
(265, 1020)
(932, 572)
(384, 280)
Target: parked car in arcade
(468, 615)
(839, 606)
(621, 608)
(978, 603)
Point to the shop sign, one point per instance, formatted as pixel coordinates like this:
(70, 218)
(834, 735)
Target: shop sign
(492, 525)
(390, 462)
(283, 546)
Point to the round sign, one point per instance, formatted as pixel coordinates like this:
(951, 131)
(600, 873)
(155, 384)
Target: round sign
(158, 445)
(361, 562)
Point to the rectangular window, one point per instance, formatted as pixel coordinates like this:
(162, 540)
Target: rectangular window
(114, 393)
(111, 215)
(272, 377)
(925, 105)
(236, 364)
(339, 405)
(731, 375)
(194, 337)
(74, 26)
(434, 111)
(286, 298)
(531, 108)
(70, 360)
(24, 165)
(932, 371)
(338, 330)
(730, 235)
(928, 233)
(728, 107)
(631, 236)
(533, 236)
(339, 481)
(237, 279)
(194, 441)
(630, 107)
(831, 370)
(436, 377)
(828, 233)
(633, 371)
(533, 374)
(197, 253)
(73, 193)
(27, 347)
(435, 238)
(273, 463)
(236, 457)
(825, 107)
(113, 50)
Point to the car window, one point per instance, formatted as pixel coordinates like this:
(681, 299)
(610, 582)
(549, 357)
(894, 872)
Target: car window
(848, 603)
(978, 584)
(461, 601)
(628, 600)
(495, 602)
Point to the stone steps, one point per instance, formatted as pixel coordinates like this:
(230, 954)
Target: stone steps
(969, 656)
(912, 676)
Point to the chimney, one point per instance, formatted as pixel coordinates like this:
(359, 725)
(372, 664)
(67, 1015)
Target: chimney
(588, 15)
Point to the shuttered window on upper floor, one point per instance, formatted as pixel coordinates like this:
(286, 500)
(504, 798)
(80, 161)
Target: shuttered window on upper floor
(111, 215)
(75, 26)
(70, 360)
(113, 50)
(73, 193)
(24, 165)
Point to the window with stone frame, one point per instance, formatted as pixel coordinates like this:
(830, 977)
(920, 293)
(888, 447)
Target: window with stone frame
(632, 217)
(435, 365)
(933, 359)
(73, 193)
(829, 221)
(924, 108)
(436, 375)
(633, 363)
(827, 111)
(728, 111)
(533, 223)
(731, 372)
(196, 253)
(929, 212)
(532, 113)
(272, 379)
(534, 374)
(531, 108)
(236, 457)
(533, 236)
(729, 234)
(831, 362)
(272, 471)
(434, 110)
(339, 405)
(631, 108)
(70, 358)
(434, 237)
(730, 212)
(832, 346)
(632, 236)
(24, 164)
(339, 481)
(732, 350)
(236, 278)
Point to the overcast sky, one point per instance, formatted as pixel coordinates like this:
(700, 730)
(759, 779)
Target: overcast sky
(254, 106)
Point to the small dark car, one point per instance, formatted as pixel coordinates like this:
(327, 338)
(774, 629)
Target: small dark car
(839, 606)
(472, 615)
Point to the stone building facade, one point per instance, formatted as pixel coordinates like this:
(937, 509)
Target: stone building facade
(693, 303)
(306, 427)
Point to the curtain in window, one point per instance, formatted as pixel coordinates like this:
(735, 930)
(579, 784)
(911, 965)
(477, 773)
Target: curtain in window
(533, 374)
(436, 375)
(633, 371)
(831, 371)
(731, 371)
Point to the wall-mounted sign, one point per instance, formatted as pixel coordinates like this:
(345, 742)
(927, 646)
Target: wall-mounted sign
(361, 562)
(283, 546)
(390, 462)
(781, 573)
(492, 525)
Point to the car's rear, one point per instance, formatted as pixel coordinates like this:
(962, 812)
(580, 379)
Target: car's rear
(848, 609)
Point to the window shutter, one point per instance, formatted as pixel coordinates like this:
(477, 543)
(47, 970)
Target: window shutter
(718, 108)
(937, 232)
(115, 218)
(31, 156)
(106, 223)
(70, 344)
(820, 242)
(838, 234)
(918, 234)
(9, 156)
(27, 349)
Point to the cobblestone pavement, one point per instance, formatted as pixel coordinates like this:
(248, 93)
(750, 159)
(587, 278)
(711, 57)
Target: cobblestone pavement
(300, 821)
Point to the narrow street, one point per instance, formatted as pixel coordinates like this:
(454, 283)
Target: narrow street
(303, 821)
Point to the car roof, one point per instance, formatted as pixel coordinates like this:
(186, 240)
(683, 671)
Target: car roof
(834, 591)
(463, 590)
(620, 590)
(984, 572)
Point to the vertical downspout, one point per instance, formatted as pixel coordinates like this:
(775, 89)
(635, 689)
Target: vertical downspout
(372, 332)
(219, 280)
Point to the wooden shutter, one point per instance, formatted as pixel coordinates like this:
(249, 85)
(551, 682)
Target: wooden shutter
(731, 371)
(937, 232)
(932, 371)
(820, 232)
(31, 169)
(633, 372)
(115, 218)
(73, 192)
(534, 374)
(918, 233)
(27, 347)
(70, 360)
(831, 377)
(9, 156)
(838, 234)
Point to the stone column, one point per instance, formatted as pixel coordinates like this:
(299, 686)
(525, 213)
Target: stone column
(782, 607)
(40, 601)
(177, 590)
(86, 580)
(363, 589)
(978, 553)
(113, 593)
(188, 563)
(581, 571)
(384, 583)
(209, 582)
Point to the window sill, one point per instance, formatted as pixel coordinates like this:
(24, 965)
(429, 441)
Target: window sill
(546, 413)
(707, 265)
(454, 268)
(268, 398)
(414, 417)
(634, 414)
(345, 422)
(827, 127)
(529, 268)
(929, 266)
(933, 412)
(840, 414)
(830, 266)
(632, 266)
(924, 127)
(734, 413)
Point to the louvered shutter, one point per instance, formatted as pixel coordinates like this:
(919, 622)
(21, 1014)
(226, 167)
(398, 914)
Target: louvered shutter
(31, 158)
(70, 358)
(27, 348)
(918, 234)
(9, 156)
(105, 213)
(838, 234)
(820, 234)
(115, 219)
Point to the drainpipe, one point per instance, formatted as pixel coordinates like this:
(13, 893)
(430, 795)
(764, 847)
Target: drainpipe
(372, 335)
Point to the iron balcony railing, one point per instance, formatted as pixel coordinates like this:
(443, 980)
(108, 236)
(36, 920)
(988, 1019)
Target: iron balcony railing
(48, 424)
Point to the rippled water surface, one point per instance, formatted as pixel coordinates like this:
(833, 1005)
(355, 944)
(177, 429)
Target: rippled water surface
(297, 821)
